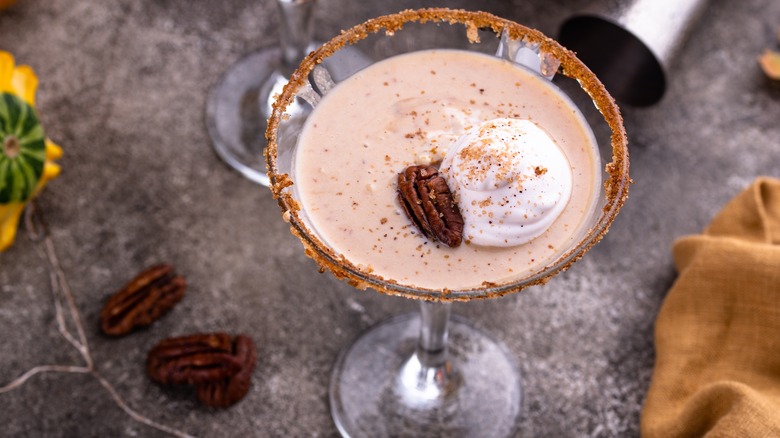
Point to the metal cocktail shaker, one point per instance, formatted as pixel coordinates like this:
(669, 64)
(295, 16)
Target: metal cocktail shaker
(631, 44)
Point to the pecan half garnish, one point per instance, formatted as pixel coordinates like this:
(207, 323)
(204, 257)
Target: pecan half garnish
(143, 300)
(428, 202)
(229, 391)
(193, 359)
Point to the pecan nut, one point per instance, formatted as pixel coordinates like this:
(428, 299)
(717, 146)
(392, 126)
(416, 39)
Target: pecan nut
(193, 359)
(427, 201)
(229, 391)
(142, 301)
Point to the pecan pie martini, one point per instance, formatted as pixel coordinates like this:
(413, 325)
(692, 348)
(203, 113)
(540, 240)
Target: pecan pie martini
(442, 174)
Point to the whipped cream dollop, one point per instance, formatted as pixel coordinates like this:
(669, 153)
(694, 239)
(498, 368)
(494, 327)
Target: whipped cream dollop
(510, 179)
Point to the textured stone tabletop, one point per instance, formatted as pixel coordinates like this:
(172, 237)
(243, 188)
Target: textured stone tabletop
(123, 90)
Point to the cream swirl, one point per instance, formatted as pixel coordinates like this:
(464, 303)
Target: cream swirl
(511, 181)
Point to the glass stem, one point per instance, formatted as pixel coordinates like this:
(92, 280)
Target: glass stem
(429, 376)
(296, 30)
(432, 344)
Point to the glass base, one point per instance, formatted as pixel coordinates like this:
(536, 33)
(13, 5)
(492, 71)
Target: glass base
(234, 111)
(378, 387)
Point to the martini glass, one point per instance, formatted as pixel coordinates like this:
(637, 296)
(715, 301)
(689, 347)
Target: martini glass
(428, 374)
(240, 103)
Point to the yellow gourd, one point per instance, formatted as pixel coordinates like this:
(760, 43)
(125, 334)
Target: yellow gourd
(26, 155)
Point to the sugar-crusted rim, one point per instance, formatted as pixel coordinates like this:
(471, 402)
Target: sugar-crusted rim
(615, 185)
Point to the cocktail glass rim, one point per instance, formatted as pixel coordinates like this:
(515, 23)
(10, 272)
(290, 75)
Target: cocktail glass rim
(616, 182)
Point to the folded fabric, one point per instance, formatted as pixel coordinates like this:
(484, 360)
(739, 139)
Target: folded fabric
(717, 336)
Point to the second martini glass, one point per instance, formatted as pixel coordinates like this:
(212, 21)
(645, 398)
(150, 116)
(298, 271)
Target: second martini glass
(425, 375)
(243, 97)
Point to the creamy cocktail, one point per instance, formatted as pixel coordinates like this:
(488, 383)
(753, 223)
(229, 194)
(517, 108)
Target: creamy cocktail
(412, 109)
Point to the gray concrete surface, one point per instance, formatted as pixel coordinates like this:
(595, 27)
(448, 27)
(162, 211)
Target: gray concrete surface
(123, 89)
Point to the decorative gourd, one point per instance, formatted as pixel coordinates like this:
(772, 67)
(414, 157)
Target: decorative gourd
(26, 155)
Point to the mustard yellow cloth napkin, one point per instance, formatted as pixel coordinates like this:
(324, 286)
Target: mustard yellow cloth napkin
(717, 336)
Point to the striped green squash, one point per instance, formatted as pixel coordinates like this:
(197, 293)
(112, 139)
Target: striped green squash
(22, 149)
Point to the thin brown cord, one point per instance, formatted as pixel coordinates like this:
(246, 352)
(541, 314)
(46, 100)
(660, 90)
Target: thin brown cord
(38, 234)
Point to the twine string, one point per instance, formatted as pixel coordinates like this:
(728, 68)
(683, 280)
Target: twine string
(38, 233)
